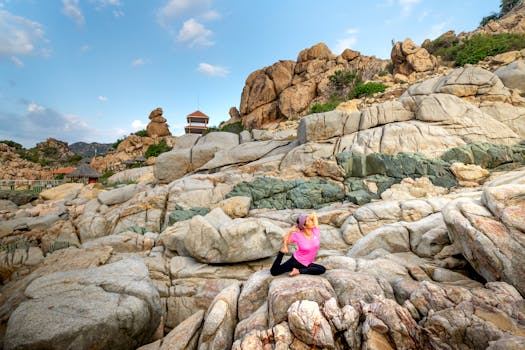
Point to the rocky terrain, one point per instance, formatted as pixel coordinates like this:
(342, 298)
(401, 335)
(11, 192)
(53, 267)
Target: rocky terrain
(420, 196)
(89, 150)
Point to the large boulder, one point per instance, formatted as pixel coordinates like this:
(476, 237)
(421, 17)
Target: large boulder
(232, 240)
(408, 57)
(66, 191)
(513, 75)
(490, 233)
(172, 165)
(157, 126)
(114, 306)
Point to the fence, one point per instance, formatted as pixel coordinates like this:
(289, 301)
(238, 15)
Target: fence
(29, 185)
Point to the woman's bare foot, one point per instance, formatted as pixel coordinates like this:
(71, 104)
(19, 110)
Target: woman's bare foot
(294, 272)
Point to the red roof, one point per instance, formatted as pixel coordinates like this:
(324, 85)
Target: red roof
(197, 113)
(64, 170)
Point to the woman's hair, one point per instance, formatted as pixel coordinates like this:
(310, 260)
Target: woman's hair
(301, 220)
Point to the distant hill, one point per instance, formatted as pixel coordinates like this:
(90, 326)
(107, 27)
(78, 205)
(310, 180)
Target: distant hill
(90, 149)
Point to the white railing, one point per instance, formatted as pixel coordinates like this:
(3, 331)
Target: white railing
(31, 185)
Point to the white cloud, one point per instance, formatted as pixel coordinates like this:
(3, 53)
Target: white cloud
(195, 34)
(210, 15)
(102, 98)
(138, 125)
(17, 61)
(107, 2)
(118, 13)
(72, 9)
(138, 62)
(39, 122)
(422, 16)
(33, 107)
(406, 6)
(213, 71)
(19, 36)
(347, 42)
(177, 8)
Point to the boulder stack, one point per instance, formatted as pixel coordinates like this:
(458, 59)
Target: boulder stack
(407, 58)
(157, 126)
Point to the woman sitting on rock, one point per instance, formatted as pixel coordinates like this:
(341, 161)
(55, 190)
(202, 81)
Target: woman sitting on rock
(306, 235)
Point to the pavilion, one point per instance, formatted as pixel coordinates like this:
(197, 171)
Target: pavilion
(197, 123)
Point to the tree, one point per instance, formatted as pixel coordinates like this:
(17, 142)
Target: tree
(505, 7)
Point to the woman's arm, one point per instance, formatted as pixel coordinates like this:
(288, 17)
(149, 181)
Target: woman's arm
(286, 239)
(312, 219)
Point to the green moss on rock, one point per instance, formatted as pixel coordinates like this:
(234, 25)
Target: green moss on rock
(180, 214)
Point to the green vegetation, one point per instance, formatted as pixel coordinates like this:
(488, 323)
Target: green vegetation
(31, 155)
(74, 160)
(156, 149)
(13, 144)
(332, 103)
(235, 128)
(115, 145)
(505, 7)
(382, 73)
(345, 85)
(476, 48)
(367, 89)
(142, 133)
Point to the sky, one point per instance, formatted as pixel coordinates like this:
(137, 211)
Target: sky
(93, 70)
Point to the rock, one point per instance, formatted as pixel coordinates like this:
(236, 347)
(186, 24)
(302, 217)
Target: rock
(220, 321)
(349, 106)
(407, 58)
(258, 320)
(254, 293)
(349, 55)
(118, 195)
(489, 234)
(243, 153)
(469, 173)
(513, 75)
(353, 287)
(67, 191)
(284, 292)
(131, 175)
(236, 207)
(294, 100)
(186, 335)
(413, 188)
(157, 127)
(172, 165)
(309, 325)
(7, 205)
(206, 147)
(120, 305)
(236, 241)
(318, 51)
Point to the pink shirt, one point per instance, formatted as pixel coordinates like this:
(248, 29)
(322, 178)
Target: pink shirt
(306, 248)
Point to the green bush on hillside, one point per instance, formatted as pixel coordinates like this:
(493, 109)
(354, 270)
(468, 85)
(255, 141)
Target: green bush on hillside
(476, 48)
(142, 133)
(505, 6)
(74, 160)
(235, 128)
(115, 145)
(367, 89)
(156, 149)
(31, 155)
(13, 144)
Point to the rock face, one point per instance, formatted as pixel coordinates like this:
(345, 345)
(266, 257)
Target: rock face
(286, 89)
(513, 75)
(120, 305)
(16, 168)
(491, 234)
(407, 58)
(512, 22)
(157, 127)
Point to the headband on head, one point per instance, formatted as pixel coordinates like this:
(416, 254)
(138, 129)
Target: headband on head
(301, 220)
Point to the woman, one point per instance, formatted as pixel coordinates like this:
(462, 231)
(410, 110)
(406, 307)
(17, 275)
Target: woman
(306, 235)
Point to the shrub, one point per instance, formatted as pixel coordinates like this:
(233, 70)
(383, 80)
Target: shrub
(480, 46)
(73, 160)
(29, 155)
(13, 144)
(142, 133)
(115, 145)
(382, 73)
(156, 149)
(324, 107)
(367, 89)
(235, 128)
(342, 83)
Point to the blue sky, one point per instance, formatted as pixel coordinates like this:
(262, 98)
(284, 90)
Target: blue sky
(92, 70)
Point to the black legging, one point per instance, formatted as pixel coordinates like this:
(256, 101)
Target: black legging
(277, 268)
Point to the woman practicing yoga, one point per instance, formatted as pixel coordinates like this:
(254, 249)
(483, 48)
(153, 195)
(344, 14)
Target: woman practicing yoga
(306, 235)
